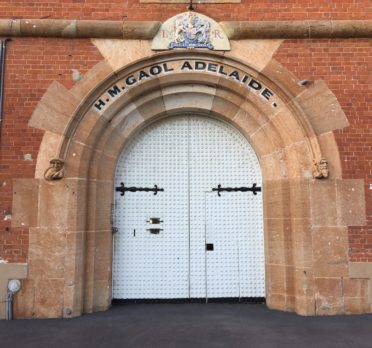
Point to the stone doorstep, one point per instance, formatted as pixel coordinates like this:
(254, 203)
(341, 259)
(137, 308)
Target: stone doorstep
(9, 271)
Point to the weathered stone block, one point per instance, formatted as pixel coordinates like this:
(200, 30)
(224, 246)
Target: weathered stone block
(283, 78)
(323, 203)
(181, 78)
(90, 127)
(276, 301)
(225, 107)
(236, 94)
(278, 229)
(152, 105)
(25, 202)
(304, 282)
(273, 166)
(47, 252)
(231, 90)
(74, 259)
(52, 204)
(49, 298)
(301, 231)
(248, 118)
(279, 252)
(119, 53)
(174, 102)
(299, 198)
(112, 148)
(102, 295)
(46, 118)
(99, 205)
(74, 274)
(305, 305)
(76, 196)
(257, 53)
(276, 197)
(102, 255)
(290, 303)
(60, 99)
(351, 202)
(302, 247)
(91, 79)
(266, 140)
(277, 282)
(322, 108)
(298, 159)
(302, 253)
(72, 301)
(78, 160)
(54, 109)
(288, 242)
(287, 125)
(330, 252)
(357, 305)
(88, 291)
(360, 269)
(100, 164)
(355, 287)
(328, 296)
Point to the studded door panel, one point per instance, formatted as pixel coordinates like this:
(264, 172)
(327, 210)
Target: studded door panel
(148, 265)
(187, 157)
(231, 222)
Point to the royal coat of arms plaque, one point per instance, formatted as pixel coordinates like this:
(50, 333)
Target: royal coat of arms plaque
(191, 30)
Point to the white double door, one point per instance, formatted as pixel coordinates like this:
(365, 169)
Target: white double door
(201, 245)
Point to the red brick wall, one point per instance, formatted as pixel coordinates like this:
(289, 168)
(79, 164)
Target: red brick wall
(32, 64)
(345, 65)
(133, 10)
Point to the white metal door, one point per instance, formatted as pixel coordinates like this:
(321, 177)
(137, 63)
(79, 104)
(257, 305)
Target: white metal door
(148, 265)
(222, 239)
(237, 256)
(187, 157)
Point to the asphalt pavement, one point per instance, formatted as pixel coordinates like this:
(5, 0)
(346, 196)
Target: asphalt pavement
(190, 325)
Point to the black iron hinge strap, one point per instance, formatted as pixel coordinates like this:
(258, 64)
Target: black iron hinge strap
(124, 189)
(254, 189)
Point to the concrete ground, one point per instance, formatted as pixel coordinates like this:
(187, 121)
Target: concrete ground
(190, 325)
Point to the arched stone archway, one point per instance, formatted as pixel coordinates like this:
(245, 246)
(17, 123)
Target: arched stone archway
(289, 127)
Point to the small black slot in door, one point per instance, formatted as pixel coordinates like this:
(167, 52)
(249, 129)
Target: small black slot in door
(209, 247)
